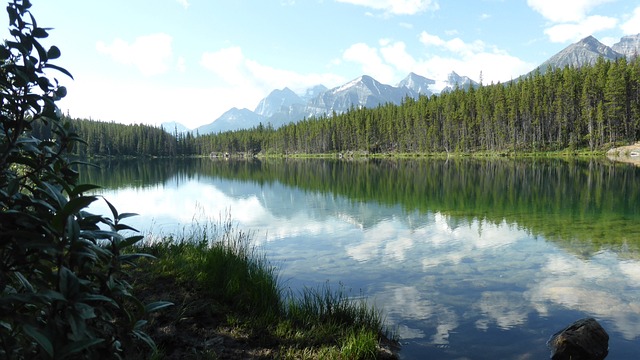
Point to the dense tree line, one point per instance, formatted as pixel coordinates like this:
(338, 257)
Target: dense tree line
(113, 139)
(590, 107)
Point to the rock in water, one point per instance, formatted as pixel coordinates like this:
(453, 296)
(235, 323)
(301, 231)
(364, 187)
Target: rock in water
(585, 339)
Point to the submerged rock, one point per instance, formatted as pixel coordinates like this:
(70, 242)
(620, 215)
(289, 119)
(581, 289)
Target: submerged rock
(585, 339)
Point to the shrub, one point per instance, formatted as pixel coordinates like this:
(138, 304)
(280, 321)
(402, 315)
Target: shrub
(62, 290)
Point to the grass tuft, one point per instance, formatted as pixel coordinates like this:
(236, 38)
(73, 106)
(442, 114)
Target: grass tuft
(237, 285)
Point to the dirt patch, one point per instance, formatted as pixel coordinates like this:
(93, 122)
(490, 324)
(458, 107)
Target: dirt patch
(627, 154)
(196, 327)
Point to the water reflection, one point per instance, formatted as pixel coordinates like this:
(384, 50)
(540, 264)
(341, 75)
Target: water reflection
(474, 270)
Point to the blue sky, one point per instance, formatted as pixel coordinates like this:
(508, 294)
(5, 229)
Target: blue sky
(153, 61)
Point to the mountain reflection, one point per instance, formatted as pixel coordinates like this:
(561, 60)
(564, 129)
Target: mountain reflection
(563, 200)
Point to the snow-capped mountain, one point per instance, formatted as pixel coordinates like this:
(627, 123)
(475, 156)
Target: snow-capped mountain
(313, 92)
(233, 119)
(173, 127)
(456, 81)
(278, 101)
(628, 46)
(418, 84)
(281, 107)
(364, 91)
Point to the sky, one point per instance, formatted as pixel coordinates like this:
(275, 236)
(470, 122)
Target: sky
(189, 61)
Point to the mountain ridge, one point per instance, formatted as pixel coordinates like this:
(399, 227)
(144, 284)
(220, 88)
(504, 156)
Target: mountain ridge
(282, 106)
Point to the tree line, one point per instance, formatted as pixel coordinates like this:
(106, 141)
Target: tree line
(591, 107)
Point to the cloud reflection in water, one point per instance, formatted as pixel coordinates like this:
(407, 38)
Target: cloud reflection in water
(434, 275)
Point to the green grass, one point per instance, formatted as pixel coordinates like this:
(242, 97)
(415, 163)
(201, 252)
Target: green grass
(235, 283)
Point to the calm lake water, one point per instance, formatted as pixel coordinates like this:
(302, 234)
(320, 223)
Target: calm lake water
(468, 258)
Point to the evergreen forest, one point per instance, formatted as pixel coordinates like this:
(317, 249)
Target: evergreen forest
(588, 108)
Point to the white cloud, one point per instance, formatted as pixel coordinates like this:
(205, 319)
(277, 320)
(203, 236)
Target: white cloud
(468, 59)
(136, 101)
(570, 20)
(632, 25)
(238, 71)
(371, 61)
(151, 54)
(184, 3)
(455, 45)
(397, 7)
(609, 40)
(508, 309)
(396, 54)
(564, 11)
(181, 64)
(575, 31)
(428, 39)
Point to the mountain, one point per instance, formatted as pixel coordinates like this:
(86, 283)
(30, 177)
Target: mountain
(281, 107)
(364, 91)
(628, 46)
(419, 84)
(233, 119)
(278, 101)
(584, 52)
(173, 126)
(456, 81)
(313, 92)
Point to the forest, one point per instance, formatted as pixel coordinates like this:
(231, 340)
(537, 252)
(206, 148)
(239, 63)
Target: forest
(590, 108)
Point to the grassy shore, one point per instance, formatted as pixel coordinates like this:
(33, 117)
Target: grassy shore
(230, 304)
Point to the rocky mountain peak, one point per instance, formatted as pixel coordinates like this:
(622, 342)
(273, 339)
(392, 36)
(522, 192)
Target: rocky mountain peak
(584, 52)
(276, 101)
(628, 46)
(419, 84)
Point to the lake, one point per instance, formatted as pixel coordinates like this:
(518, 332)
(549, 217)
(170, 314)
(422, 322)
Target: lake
(468, 258)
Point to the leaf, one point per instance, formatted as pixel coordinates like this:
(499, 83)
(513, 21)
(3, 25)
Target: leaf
(145, 337)
(52, 295)
(114, 212)
(62, 70)
(77, 346)
(130, 241)
(61, 92)
(96, 297)
(82, 188)
(72, 207)
(120, 227)
(40, 33)
(53, 53)
(139, 324)
(41, 52)
(40, 338)
(157, 305)
(128, 258)
(24, 282)
(126, 215)
(69, 284)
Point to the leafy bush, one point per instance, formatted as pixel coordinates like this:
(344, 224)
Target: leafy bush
(63, 292)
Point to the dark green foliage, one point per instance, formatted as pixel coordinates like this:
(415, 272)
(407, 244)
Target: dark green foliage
(109, 139)
(221, 260)
(591, 107)
(62, 291)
